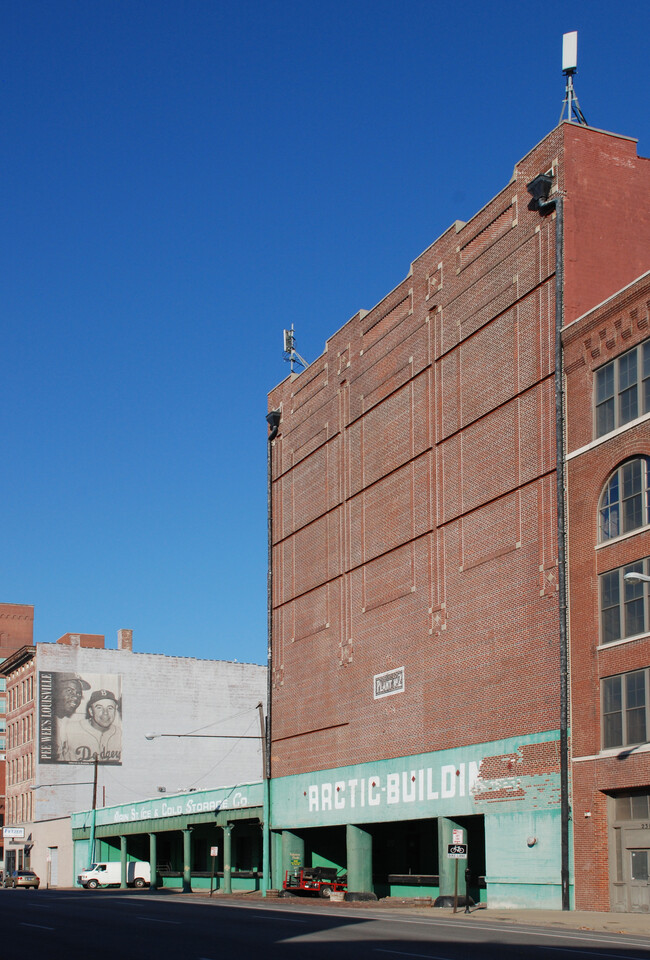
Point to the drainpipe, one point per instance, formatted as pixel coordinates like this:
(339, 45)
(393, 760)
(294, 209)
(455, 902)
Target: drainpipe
(273, 420)
(93, 816)
(539, 188)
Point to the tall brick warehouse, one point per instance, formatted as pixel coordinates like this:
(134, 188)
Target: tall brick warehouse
(416, 629)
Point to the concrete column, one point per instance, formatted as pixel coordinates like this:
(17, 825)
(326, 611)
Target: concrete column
(446, 867)
(227, 858)
(122, 863)
(153, 859)
(187, 860)
(291, 844)
(277, 876)
(266, 835)
(359, 852)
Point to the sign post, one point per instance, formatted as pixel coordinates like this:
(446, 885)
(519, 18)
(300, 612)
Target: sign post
(456, 851)
(214, 852)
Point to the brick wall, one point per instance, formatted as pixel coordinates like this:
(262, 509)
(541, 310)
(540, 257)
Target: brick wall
(414, 481)
(16, 627)
(601, 335)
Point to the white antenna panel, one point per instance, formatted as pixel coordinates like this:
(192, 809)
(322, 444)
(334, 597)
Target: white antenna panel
(569, 51)
(288, 341)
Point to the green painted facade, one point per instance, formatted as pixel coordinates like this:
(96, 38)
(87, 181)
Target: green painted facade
(388, 823)
(176, 833)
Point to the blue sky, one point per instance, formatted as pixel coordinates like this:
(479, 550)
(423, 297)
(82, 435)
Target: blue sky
(181, 181)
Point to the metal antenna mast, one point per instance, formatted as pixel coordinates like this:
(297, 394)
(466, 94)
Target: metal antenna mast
(569, 67)
(290, 354)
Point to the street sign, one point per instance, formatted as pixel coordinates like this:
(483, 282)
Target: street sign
(15, 833)
(214, 851)
(456, 836)
(457, 851)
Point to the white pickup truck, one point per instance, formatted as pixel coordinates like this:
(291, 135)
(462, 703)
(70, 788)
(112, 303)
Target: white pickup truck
(138, 874)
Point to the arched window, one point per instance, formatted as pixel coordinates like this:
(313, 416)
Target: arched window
(625, 501)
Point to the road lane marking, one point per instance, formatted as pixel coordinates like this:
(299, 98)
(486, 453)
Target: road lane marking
(422, 956)
(176, 923)
(283, 919)
(40, 926)
(592, 953)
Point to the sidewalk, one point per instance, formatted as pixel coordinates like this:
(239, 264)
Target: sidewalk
(635, 924)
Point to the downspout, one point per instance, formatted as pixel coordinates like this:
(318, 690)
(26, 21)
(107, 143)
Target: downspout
(561, 549)
(539, 188)
(93, 816)
(273, 420)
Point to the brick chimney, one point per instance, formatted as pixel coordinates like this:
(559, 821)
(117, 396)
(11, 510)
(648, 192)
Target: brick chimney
(125, 640)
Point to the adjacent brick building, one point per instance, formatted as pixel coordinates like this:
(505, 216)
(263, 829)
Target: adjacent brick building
(416, 645)
(607, 365)
(16, 630)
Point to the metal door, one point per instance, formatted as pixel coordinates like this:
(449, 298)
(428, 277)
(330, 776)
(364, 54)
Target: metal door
(53, 857)
(637, 866)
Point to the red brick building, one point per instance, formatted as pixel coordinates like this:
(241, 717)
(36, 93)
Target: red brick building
(607, 366)
(417, 649)
(16, 630)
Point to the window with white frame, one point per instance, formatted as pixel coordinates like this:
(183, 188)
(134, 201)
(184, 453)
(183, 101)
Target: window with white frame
(624, 606)
(622, 389)
(624, 709)
(625, 501)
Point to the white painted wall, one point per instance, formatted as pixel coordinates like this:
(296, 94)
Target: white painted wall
(45, 836)
(168, 695)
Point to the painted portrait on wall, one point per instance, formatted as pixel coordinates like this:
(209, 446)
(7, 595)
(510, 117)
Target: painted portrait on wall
(80, 718)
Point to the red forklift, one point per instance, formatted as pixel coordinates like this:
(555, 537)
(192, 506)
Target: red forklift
(320, 881)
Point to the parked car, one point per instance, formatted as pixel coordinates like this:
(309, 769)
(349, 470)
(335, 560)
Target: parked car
(22, 878)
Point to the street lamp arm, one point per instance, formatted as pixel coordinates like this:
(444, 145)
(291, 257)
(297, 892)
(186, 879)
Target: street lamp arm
(634, 577)
(203, 736)
(64, 783)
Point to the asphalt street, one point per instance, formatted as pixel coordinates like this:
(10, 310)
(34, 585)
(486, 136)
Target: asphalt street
(129, 925)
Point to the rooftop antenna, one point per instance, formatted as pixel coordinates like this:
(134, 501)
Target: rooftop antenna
(569, 67)
(290, 354)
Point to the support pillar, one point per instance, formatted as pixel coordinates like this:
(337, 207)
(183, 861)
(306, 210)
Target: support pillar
(277, 876)
(187, 860)
(122, 863)
(266, 837)
(227, 858)
(153, 859)
(359, 854)
(91, 840)
(293, 847)
(446, 867)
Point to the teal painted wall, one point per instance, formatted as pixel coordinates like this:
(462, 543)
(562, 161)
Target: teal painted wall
(449, 783)
(81, 858)
(513, 784)
(172, 805)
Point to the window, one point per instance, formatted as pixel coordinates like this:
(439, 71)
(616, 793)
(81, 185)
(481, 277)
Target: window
(625, 501)
(634, 805)
(622, 389)
(624, 606)
(624, 710)
(639, 865)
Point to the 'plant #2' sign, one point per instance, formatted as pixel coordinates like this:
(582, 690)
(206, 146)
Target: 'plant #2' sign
(386, 684)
